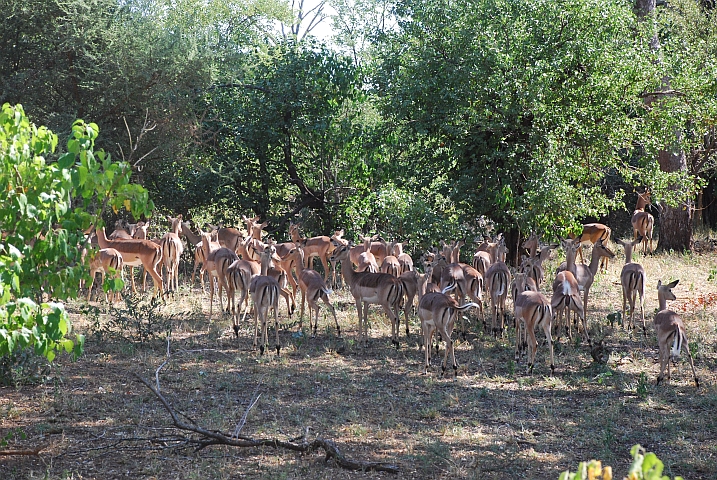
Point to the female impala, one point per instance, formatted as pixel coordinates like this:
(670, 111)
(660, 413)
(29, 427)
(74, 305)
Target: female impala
(632, 279)
(103, 261)
(643, 222)
(532, 309)
(438, 312)
(312, 288)
(670, 329)
(366, 287)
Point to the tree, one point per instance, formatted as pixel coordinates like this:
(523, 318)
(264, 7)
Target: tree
(527, 107)
(289, 137)
(45, 207)
(683, 104)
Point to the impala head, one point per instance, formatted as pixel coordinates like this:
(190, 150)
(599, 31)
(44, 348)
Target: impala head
(665, 291)
(531, 242)
(341, 253)
(602, 250)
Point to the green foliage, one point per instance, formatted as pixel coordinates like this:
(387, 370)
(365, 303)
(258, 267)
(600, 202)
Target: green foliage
(22, 367)
(531, 105)
(645, 466)
(45, 207)
(137, 321)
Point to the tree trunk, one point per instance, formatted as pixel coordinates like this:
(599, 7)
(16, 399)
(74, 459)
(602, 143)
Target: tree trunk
(675, 222)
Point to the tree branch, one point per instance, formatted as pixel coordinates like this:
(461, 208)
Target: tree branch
(217, 438)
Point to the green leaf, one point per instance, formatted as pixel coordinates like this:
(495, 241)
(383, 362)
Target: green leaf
(66, 160)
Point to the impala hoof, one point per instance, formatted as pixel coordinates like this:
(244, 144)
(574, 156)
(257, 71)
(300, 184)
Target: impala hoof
(236, 331)
(261, 350)
(278, 350)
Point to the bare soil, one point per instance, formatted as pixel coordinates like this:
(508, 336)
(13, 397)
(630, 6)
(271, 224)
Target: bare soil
(95, 420)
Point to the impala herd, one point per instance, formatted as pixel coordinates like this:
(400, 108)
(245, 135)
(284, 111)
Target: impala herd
(379, 272)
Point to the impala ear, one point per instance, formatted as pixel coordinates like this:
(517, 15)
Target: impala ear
(673, 284)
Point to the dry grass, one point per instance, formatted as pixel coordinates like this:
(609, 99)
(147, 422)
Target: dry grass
(493, 421)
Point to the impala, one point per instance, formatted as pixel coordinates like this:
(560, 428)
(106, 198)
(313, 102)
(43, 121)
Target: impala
(172, 248)
(414, 283)
(312, 288)
(338, 240)
(366, 260)
(670, 330)
(566, 295)
(390, 264)
(454, 274)
(522, 283)
(585, 274)
(437, 312)
(196, 241)
(230, 238)
(216, 264)
(104, 261)
(531, 244)
(474, 287)
(264, 292)
(532, 309)
(643, 222)
(366, 288)
(497, 280)
(592, 233)
(135, 253)
(632, 279)
(314, 247)
(404, 260)
(239, 275)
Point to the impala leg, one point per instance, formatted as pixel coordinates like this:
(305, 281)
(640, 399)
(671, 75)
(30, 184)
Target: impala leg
(546, 328)
(276, 324)
(391, 315)
(325, 299)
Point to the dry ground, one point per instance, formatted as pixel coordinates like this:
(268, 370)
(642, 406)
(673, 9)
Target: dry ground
(97, 421)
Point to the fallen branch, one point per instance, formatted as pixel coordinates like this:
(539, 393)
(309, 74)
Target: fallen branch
(34, 451)
(210, 437)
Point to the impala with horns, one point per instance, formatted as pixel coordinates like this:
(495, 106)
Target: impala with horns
(643, 222)
(367, 288)
(671, 336)
(632, 279)
(135, 253)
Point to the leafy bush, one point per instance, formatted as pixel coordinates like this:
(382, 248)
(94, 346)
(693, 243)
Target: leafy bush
(45, 207)
(138, 320)
(22, 367)
(645, 466)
